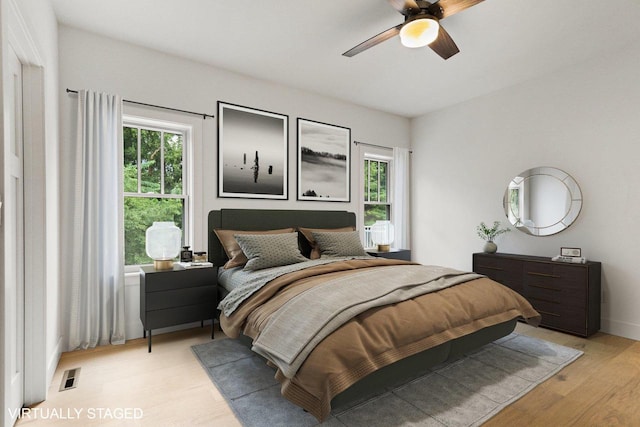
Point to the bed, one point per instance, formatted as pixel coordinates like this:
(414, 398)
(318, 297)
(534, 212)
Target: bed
(388, 321)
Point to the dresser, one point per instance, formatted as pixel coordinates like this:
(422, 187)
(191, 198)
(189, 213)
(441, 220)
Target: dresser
(567, 295)
(174, 297)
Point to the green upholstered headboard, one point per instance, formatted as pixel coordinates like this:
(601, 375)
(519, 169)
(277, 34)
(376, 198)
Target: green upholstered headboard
(267, 219)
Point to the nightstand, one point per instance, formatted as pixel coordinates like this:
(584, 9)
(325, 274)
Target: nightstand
(174, 297)
(404, 254)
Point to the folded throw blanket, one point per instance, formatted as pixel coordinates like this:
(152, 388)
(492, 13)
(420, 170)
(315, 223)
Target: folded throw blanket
(300, 324)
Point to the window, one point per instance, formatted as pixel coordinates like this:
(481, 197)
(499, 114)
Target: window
(155, 181)
(377, 198)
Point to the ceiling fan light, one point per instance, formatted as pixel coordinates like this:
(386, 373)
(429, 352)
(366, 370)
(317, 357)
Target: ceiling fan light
(419, 32)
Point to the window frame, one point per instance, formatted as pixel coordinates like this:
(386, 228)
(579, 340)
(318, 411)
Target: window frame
(165, 126)
(368, 156)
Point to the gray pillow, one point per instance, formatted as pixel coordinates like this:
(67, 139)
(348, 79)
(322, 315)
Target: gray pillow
(269, 250)
(346, 243)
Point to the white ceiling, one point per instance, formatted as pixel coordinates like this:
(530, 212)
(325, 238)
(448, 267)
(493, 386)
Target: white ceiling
(300, 43)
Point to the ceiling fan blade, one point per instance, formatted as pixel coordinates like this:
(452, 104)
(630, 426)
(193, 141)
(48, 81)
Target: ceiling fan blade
(450, 7)
(377, 39)
(404, 6)
(444, 44)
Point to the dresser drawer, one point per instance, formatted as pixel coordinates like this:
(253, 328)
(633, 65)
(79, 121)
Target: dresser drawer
(548, 282)
(555, 274)
(505, 271)
(560, 316)
(565, 295)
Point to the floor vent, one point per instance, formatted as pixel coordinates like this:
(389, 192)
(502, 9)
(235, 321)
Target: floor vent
(70, 379)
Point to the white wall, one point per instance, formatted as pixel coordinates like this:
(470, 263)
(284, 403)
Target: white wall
(584, 120)
(88, 61)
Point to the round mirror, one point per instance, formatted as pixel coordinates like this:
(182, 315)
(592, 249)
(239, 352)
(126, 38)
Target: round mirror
(542, 201)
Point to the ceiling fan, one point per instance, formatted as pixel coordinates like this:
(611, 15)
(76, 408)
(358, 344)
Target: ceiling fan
(421, 26)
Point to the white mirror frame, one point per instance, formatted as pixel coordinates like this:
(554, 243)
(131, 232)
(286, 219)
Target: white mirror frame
(517, 210)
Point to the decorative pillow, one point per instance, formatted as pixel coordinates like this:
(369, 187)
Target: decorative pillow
(231, 247)
(308, 234)
(339, 244)
(269, 250)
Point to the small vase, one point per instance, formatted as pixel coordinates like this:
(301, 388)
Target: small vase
(490, 247)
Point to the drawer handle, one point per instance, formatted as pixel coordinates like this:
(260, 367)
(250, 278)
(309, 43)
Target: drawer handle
(543, 275)
(550, 314)
(549, 288)
(545, 300)
(491, 268)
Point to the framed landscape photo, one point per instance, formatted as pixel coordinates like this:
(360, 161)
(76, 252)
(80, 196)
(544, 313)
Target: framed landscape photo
(253, 153)
(324, 162)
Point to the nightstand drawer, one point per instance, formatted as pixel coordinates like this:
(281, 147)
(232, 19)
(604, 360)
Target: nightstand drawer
(178, 315)
(180, 297)
(176, 279)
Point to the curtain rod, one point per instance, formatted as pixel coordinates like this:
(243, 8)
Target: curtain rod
(204, 116)
(375, 145)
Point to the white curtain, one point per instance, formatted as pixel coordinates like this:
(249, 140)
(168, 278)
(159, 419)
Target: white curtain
(96, 294)
(401, 197)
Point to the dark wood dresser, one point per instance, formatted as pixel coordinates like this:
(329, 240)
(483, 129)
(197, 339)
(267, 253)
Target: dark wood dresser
(567, 295)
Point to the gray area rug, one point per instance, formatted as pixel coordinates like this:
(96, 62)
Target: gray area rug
(466, 392)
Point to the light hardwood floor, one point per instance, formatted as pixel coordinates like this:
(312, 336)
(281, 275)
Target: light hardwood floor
(169, 387)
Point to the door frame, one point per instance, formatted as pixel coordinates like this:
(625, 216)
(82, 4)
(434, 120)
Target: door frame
(18, 38)
(35, 242)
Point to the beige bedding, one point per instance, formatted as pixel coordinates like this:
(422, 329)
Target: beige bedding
(378, 336)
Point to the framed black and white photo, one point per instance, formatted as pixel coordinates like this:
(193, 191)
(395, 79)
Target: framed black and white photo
(252, 153)
(324, 162)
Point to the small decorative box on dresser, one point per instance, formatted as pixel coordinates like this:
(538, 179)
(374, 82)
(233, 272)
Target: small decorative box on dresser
(174, 297)
(404, 254)
(567, 295)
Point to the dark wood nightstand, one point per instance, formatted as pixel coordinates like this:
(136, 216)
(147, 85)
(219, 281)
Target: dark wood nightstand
(174, 297)
(404, 254)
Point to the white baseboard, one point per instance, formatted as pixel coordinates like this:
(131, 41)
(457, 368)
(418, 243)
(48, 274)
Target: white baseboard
(622, 329)
(52, 362)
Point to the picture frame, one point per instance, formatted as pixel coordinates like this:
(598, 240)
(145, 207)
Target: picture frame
(324, 162)
(253, 153)
(571, 252)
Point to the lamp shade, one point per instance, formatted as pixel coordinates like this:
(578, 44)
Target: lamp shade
(419, 32)
(163, 243)
(382, 234)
